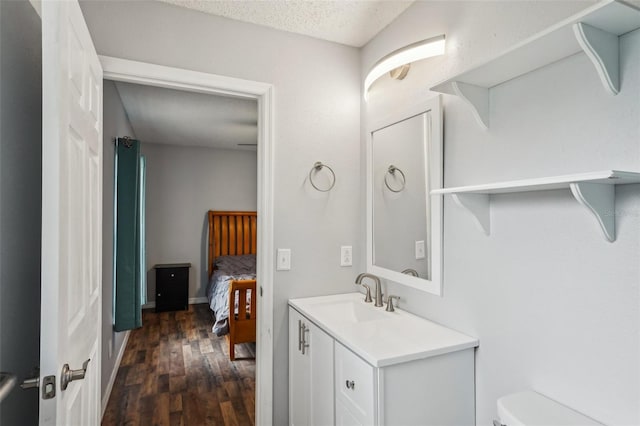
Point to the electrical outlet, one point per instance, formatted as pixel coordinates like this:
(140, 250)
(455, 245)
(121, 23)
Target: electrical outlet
(284, 260)
(420, 252)
(346, 256)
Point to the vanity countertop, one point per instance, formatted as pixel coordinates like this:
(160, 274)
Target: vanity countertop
(381, 338)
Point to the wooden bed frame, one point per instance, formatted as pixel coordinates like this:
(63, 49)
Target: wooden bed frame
(232, 234)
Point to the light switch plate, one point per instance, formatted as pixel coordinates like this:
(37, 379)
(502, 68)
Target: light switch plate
(420, 252)
(284, 260)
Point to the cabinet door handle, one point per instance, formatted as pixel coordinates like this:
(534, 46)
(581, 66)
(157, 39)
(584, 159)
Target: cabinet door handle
(304, 338)
(299, 335)
(350, 384)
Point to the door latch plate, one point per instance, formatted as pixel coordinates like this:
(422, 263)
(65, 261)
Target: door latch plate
(49, 387)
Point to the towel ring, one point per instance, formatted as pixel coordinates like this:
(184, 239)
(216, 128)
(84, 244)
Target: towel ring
(391, 171)
(317, 167)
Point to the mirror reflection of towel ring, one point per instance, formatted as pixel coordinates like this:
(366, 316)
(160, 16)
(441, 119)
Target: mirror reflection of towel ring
(391, 171)
(317, 167)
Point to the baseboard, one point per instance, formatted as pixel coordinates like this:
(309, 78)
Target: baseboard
(114, 372)
(192, 301)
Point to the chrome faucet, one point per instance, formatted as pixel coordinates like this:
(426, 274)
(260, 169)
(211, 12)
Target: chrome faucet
(378, 297)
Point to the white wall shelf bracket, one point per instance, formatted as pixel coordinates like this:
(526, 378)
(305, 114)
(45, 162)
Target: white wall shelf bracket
(593, 190)
(479, 208)
(601, 47)
(477, 98)
(600, 200)
(594, 31)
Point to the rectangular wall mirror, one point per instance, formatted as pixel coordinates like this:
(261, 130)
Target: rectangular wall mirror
(404, 224)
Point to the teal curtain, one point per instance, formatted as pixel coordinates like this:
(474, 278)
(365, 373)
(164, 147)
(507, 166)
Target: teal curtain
(143, 238)
(129, 238)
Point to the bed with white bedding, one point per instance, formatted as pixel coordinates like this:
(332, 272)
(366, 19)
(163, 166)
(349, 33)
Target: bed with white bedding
(232, 275)
(226, 270)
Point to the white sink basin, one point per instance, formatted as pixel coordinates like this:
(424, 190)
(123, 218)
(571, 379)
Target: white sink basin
(381, 338)
(350, 311)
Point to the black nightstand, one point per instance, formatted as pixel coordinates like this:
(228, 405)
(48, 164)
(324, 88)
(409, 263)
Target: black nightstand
(172, 286)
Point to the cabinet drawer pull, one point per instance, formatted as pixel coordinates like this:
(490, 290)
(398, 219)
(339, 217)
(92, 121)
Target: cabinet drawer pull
(350, 384)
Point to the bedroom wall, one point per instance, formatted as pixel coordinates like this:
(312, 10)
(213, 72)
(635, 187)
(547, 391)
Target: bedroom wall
(554, 305)
(317, 116)
(116, 124)
(20, 203)
(183, 183)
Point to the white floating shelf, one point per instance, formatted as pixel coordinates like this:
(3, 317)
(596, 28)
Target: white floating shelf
(594, 31)
(594, 190)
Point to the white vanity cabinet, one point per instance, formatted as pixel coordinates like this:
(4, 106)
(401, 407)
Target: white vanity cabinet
(360, 373)
(432, 391)
(310, 378)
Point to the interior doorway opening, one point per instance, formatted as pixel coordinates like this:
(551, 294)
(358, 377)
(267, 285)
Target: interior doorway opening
(195, 84)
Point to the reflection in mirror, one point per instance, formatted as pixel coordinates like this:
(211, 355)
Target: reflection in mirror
(400, 204)
(404, 223)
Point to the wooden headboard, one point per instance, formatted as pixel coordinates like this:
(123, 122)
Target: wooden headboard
(231, 234)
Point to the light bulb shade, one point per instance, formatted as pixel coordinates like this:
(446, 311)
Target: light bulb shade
(414, 52)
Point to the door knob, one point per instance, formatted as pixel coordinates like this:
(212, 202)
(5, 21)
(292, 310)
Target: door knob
(68, 375)
(7, 382)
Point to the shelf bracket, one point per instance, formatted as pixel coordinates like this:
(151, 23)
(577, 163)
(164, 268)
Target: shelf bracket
(477, 98)
(478, 206)
(602, 48)
(600, 200)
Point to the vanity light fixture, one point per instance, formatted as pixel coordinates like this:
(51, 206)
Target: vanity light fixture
(423, 49)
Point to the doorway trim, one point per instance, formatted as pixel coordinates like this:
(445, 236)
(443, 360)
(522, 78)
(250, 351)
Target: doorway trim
(117, 69)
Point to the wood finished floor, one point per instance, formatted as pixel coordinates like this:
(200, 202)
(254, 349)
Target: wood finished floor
(175, 371)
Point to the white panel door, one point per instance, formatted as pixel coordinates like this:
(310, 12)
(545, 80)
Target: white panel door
(71, 215)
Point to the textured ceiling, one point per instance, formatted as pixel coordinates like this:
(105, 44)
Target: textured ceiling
(350, 22)
(176, 117)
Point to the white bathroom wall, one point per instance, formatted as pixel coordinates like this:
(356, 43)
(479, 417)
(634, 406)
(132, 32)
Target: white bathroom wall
(116, 125)
(183, 184)
(317, 116)
(555, 306)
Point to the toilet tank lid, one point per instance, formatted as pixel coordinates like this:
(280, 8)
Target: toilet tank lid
(529, 408)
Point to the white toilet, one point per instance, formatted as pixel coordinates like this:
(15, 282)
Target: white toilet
(529, 408)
